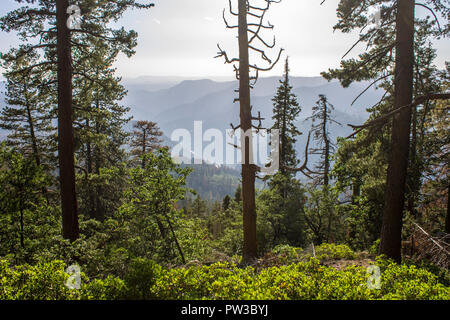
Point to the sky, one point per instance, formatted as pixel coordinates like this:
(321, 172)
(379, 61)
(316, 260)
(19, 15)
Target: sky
(180, 37)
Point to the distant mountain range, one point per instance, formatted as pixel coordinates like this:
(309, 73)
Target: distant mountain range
(175, 102)
(178, 105)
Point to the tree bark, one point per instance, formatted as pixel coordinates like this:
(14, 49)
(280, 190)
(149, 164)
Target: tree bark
(65, 129)
(176, 240)
(248, 170)
(390, 244)
(447, 217)
(326, 171)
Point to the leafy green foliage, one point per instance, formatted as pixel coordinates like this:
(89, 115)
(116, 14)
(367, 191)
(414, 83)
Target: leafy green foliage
(25, 216)
(329, 251)
(141, 278)
(304, 280)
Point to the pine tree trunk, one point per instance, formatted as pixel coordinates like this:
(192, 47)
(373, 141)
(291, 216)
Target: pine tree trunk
(31, 126)
(65, 130)
(34, 144)
(390, 244)
(248, 170)
(326, 171)
(447, 217)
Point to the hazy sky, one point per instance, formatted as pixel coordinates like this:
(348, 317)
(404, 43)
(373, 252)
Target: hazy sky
(179, 38)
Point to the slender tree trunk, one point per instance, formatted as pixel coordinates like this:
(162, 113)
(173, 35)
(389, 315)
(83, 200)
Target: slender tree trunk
(22, 223)
(32, 133)
(176, 240)
(248, 170)
(390, 244)
(34, 144)
(447, 217)
(326, 171)
(161, 228)
(65, 130)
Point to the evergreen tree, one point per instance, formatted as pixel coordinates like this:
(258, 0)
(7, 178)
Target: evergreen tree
(28, 113)
(226, 202)
(285, 111)
(145, 139)
(48, 21)
(393, 33)
(321, 121)
(21, 181)
(99, 129)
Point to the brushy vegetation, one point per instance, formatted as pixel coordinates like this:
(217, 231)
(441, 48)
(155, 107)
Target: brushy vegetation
(304, 280)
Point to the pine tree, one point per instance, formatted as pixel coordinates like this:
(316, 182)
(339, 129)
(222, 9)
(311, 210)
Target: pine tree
(321, 121)
(48, 21)
(226, 202)
(285, 111)
(145, 139)
(393, 33)
(99, 129)
(28, 113)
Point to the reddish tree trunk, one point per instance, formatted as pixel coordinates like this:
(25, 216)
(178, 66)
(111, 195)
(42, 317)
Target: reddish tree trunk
(248, 170)
(390, 244)
(65, 130)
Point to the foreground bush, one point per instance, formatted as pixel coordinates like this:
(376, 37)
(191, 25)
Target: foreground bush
(303, 280)
(47, 281)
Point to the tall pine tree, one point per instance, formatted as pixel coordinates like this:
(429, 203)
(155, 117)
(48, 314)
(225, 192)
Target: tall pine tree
(285, 111)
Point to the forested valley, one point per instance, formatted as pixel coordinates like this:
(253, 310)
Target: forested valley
(94, 206)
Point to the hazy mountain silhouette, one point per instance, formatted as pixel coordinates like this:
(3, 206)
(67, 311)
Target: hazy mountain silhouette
(212, 103)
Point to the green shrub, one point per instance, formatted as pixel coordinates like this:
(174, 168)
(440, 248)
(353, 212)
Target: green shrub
(301, 281)
(374, 247)
(307, 280)
(110, 288)
(44, 281)
(287, 254)
(331, 251)
(141, 278)
(47, 281)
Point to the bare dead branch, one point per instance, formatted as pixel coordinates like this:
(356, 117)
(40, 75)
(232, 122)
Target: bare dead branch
(226, 22)
(257, 36)
(262, 52)
(223, 53)
(304, 166)
(271, 66)
(231, 9)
